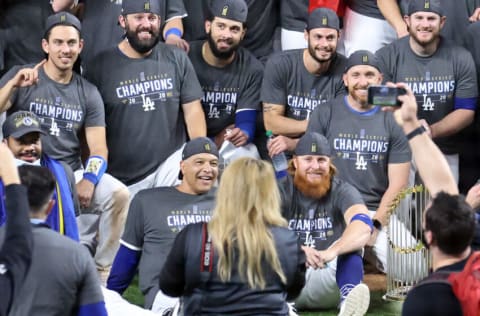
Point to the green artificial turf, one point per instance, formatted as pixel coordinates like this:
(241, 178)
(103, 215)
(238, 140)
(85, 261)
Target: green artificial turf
(378, 307)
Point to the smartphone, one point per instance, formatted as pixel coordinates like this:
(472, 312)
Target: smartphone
(384, 96)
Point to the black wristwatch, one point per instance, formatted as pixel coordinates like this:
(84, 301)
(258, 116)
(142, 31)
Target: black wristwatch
(418, 131)
(377, 224)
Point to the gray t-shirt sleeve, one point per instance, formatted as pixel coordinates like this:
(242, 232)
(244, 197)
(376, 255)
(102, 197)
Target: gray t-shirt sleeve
(250, 95)
(274, 82)
(89, 291)
(345, 196)
(466, 81)
(132, 237)
(7, 77)
(95, 111)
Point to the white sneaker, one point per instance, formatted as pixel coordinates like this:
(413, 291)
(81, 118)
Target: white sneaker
(292, 311)
(357, 301)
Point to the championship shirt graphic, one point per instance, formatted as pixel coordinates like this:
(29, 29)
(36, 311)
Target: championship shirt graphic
(178, 219)
(144, 91)
(431, 91)
(219, 102)
(360, 148)
(57, 116)
(313, 228)
(301, 104)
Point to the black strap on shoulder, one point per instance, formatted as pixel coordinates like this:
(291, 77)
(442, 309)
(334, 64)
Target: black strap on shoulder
(207, 251)
(436, 277)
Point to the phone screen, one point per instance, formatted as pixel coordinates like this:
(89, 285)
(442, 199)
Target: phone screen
(384, 96)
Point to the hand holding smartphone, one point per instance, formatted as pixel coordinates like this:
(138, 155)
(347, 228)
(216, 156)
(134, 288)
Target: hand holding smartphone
(384, 95)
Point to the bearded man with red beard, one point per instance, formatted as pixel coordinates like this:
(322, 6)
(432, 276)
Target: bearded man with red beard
(333, 226)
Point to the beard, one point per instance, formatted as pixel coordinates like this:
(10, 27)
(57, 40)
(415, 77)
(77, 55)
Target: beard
(311, 51)
(313, 189)
(221, 54)
(423, 42)
(142, 46)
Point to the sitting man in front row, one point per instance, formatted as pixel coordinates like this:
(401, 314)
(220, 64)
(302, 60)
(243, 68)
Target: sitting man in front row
(155, 218)
(22, 134)
(332, 222)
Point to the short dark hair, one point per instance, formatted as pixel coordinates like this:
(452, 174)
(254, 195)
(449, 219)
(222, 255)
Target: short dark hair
(40, 184)
(452, 223)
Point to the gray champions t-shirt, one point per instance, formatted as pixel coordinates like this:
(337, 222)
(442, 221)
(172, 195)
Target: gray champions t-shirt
(143, 107)
(318, 222)
(229, 89)
(363, 144)
(154, 219)
(435, 80)
(287, 82)
(64, 110)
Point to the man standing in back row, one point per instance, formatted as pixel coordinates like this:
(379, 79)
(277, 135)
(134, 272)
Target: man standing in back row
(152, 100)
(441, 75)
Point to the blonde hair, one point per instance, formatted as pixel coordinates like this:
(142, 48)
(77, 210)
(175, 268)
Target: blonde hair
(248, 203)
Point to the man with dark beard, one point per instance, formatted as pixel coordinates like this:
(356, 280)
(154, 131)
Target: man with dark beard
(441, 75)
(297, 81)
(152, 100)
(230, 75)
(333, 226)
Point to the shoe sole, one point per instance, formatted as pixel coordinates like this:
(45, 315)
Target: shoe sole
(357, 301)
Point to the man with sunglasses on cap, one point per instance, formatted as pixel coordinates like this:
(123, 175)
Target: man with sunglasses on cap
(22, 134)
(296, 82)
(67, 105)
(157, 215)
(152, 100)
(370, 149)
(441, 75)
(333, 226)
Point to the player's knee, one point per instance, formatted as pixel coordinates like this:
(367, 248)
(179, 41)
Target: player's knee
(121, 200)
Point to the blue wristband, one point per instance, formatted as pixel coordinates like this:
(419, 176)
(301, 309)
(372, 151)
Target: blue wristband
(363, 218)
(95, 168)
(173, 30)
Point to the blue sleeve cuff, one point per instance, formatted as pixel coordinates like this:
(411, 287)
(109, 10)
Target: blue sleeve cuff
(246, 120)
(465, 103)
(96, 309)
(123, 269)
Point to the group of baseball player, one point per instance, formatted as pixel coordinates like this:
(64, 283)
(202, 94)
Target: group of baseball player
(117, 115)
